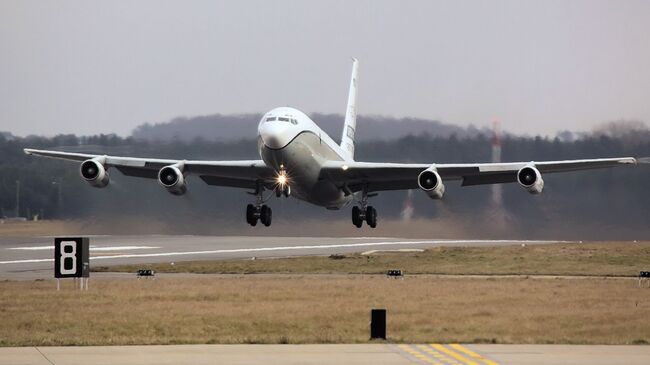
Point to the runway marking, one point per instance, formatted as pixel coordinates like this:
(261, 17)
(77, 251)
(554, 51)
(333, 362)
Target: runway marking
(473, 354)
(438, 355)
(418, 355)
(26, 261)
(34, 248)
(126, 248)
(92, 248)
(453, 354)
(287, 248)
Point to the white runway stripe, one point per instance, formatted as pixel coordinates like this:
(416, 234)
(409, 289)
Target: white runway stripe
(34, 248)
(288, 248)
(92, 248)
(120, 248)
(26, 261)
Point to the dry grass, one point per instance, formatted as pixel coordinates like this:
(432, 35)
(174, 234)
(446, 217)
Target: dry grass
(324, 309)
(599, 259)
(39, 228)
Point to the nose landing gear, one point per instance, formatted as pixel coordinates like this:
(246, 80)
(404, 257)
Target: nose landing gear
(283, 190)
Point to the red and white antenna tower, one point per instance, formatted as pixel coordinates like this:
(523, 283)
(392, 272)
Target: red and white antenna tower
(496, 157)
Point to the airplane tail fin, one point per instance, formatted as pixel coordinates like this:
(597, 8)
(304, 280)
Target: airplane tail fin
(350, 125)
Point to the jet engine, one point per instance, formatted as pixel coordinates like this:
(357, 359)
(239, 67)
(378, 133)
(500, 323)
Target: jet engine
(95, 173)
(531, 180)
(172, 178)
(430, 181)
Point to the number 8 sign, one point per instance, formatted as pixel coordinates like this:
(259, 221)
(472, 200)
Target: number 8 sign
(71, 258)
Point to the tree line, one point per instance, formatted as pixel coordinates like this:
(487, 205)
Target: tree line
(616, 197)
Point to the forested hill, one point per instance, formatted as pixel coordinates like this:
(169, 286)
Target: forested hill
(219, 127)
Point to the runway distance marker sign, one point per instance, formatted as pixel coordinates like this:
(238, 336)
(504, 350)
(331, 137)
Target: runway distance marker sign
(71, 257)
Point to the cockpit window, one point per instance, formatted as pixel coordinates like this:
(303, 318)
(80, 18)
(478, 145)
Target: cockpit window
(282, 119)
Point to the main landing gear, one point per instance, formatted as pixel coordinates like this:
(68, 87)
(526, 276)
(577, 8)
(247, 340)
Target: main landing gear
(364, 212)
(259, 210)
(369, 215)
(262, 213)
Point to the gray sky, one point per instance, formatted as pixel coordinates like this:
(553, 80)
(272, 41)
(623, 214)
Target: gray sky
(89, 67)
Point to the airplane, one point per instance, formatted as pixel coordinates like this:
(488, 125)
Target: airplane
(299, 159)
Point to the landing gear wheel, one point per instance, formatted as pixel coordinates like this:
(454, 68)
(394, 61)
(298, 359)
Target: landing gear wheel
(251, 217)
(357, 220)
(265, 215)
(371, 217)
(280, 191)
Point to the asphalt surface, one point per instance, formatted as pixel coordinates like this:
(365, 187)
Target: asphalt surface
(32, 257)
(388, 354)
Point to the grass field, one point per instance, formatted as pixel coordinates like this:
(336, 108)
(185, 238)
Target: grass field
(324, 309)
(302, 308)
(596, 259)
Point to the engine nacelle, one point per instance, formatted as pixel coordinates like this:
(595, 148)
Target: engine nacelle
(172, 178)
(94, 173)
(430, 181)
(530, 179)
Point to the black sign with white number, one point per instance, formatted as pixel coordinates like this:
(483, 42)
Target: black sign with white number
(71, 257)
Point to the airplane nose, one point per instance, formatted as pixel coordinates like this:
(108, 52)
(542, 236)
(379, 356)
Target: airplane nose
(275, 134)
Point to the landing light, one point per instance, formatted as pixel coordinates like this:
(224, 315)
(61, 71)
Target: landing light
(282, 178)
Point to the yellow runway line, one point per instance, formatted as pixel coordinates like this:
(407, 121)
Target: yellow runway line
(473, 354)
(444, 358)
(453, 354)
(418, 355)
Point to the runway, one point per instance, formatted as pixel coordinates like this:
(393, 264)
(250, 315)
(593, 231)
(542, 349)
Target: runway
(388, 354)
(32, 257)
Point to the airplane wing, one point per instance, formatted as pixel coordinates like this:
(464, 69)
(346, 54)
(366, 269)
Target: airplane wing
(240, 174)
(397, 176)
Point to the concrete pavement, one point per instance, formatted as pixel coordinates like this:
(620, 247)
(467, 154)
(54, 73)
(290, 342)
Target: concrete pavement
(388, 354)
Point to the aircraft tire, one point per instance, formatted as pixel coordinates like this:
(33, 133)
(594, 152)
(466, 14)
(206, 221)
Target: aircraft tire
(356, 217)
(250, 215)
(371, 217)
(265, 215)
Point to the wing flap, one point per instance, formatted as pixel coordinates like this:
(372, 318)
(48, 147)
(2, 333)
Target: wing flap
(138, 172)
(490, 178)
(229, 182)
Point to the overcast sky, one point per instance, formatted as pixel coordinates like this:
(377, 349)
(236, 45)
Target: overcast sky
(88, 67)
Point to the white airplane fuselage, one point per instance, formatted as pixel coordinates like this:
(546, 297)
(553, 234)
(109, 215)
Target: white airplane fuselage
(289, 141)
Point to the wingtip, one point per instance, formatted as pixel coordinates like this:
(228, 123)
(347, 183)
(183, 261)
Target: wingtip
(354, 60)
(28, 151)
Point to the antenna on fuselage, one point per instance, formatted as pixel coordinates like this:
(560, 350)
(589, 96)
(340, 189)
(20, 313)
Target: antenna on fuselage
(350, 124)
